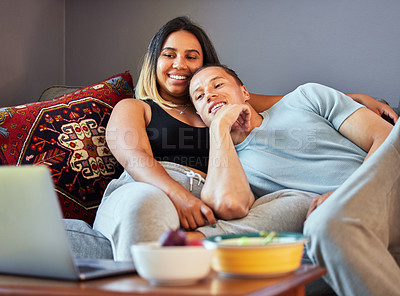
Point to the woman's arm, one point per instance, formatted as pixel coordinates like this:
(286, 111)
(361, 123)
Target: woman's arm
(374, 105)
(128, 141)
(264, 102)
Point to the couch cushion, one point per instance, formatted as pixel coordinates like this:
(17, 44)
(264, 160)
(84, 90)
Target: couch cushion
(86, 242)
(67, 134)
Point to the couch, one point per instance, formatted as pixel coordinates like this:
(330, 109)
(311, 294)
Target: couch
(65, 130)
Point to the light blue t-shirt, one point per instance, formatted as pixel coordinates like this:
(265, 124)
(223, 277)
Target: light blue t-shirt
(298, 145)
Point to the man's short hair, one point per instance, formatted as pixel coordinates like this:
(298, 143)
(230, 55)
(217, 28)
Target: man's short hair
(227, 70)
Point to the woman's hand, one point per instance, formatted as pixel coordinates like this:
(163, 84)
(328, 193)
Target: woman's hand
(379, 108)
(192, 211)
(317, 201)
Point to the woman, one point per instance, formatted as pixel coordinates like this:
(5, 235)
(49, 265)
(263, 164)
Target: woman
(162, 144)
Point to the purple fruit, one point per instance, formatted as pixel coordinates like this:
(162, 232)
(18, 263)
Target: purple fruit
(173, 238)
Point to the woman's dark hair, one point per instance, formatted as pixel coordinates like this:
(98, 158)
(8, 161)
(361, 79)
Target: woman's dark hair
(177, 24)
(146, 87)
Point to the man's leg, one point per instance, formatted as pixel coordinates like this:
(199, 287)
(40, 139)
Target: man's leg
(283, 210)
(355, 232)
(280, 211)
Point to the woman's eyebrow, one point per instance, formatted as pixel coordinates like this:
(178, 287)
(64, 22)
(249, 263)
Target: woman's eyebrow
(188, 50)
(169, 48)
(193, 50)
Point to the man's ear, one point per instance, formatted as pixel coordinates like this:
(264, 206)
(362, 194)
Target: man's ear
(246, 94)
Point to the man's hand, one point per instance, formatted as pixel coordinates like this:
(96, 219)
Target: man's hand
(317, 201)
(236, 117)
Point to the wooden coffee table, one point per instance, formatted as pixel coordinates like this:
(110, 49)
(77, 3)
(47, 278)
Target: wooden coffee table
(132, 284)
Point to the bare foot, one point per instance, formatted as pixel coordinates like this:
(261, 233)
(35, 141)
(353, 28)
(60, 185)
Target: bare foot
(194, 235)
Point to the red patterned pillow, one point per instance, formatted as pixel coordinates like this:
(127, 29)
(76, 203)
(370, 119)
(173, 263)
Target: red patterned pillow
(67, 134)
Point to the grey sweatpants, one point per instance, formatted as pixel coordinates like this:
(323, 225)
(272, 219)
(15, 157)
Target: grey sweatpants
(132, 212)
(355, 233)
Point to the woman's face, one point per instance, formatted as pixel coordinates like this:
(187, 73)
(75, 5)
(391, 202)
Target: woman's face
(181, 55)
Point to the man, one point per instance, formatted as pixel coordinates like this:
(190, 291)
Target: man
(314, 139)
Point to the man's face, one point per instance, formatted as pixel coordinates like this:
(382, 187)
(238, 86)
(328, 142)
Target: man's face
(213, 88)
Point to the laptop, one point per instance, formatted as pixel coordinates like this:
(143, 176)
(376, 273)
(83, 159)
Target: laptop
(33, 240)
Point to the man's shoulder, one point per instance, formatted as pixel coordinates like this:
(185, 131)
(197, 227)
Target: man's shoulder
(304, 93)
(308, 90)
(317, 93)
(312, 87)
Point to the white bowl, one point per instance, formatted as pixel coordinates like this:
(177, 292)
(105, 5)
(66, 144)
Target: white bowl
(178, 265)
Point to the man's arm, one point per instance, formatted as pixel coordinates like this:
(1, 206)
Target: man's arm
(366, 129)
(264, 102)
(227, 190)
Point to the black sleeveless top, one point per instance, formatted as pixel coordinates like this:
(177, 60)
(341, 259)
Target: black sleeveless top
(175, 141)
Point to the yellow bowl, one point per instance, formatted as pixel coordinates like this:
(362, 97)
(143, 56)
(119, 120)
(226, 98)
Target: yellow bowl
(282, 255)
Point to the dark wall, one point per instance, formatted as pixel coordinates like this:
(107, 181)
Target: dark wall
(31, 48)
(352, 45)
